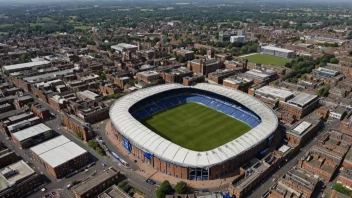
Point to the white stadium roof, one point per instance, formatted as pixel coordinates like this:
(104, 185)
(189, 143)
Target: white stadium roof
(145, 139)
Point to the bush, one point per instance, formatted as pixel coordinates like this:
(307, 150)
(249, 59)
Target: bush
(181, 187)
(74, 182)
(126, 188)
(93, 144)
(123, 183)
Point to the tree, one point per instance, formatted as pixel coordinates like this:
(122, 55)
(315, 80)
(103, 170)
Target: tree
(334, 60)
(74, 182)
(24, 58)
(93, 144)
(164, 189)
(181, 187)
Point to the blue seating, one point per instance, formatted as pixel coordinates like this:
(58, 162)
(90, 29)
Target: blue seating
(160, 102)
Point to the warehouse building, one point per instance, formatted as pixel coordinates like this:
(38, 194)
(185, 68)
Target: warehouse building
(25, 66)
(33, 135)
(60, 156)
(276, 51)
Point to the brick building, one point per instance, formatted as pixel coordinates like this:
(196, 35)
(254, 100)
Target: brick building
(301, 105)
(295, 183)
(176, 75)
(304, 130)
(7, 157)
(204, 66)
(187, 54)
(196, 78)
(40, 111)
(60, 156)
(254, 173)
(345, 177)
(238, 82)
(33, 135)
(22, 101)
(78, 126)
(272, 96)
(19, 180)
(219, 75)
(347, 162)
(148, 76)
(96, 184)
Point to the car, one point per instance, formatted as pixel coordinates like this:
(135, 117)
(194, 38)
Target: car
(103, 164)
(205, 190)
(149, 181)
(43, 189)
(8, 138)
(69, 186)
(85, 170)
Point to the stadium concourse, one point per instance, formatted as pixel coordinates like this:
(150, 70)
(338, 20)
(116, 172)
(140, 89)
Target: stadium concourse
(164, 155)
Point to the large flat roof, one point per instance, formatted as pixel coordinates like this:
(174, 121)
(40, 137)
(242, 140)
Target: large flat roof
(48, 76)
(57, 151)
(31, 132)
(275, 92)
(8, 178)
(25, 65)
(147, 140)
(302, 99)
(277, 49)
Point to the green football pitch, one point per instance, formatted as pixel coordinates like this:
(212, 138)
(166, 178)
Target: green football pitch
(267, 59)
(195, 126)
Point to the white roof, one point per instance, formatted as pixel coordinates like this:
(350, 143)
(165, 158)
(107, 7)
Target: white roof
(146, 140)
(302, 127)
(25, 65)
(31, 132)
(49, 145)
(277, 49)
(279, 93)
(58, 151)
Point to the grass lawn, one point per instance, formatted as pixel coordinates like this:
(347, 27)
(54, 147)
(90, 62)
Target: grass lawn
(195, 126)
(268, 59)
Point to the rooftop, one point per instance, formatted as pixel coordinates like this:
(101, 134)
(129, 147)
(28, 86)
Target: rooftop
(113, 192)
(277, 49)
(31, 132)
(14, 173)
(57, 151)
(25, 65)
(96, 180)
(275, 92)
(302, 99)
(48, 76)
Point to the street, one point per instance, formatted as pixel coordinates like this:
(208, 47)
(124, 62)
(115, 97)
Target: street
(266, 185)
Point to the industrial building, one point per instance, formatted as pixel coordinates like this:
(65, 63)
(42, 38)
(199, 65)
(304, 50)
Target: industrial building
(25, 66)
(60, 156)
(276, 51)
(33, 135)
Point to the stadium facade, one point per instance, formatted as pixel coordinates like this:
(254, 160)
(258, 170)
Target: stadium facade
(177, 161)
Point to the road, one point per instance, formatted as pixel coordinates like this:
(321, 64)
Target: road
(135, 180)
(267, 184)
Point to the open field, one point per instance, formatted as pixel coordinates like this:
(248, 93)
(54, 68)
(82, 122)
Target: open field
(195, 126)
(267, 59)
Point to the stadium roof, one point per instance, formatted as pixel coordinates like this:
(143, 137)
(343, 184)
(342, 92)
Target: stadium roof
(147, 140)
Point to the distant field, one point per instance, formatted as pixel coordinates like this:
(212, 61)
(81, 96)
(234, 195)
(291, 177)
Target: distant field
(195, 126)
(267, 59)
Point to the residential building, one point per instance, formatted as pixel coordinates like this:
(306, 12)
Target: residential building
(176, 75)
(196, 78)
(19, 180)
(295, 183)
(93, 186)
(204, 66)
(300, 105)
(338, 113)
(219, 75)
(238, 82)
(187, 54)
(148, 76)
(271, 95)
(238, 39)
(113, 192)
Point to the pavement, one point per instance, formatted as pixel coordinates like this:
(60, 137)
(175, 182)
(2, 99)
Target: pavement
(60, 185)
(268, 183)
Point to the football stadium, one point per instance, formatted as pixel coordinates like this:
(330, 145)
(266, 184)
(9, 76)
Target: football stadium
(202, 132)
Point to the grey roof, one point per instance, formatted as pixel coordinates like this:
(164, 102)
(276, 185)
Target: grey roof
(302, 99)
(31, 132)
(147, 140)
(25, 65)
